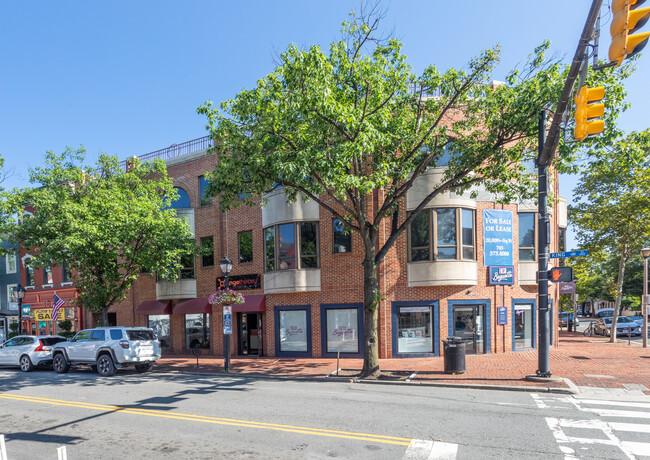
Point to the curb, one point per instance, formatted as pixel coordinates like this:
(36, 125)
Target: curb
(572, 390)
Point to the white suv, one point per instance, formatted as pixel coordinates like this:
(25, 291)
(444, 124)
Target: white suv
(106, 349)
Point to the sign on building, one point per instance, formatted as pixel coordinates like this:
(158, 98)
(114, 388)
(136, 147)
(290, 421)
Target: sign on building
(502, 275)
(497, 237)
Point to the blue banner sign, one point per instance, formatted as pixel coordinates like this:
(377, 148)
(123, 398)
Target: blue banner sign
(562, 255)
(497, 237)
(26, 309)
(502, 316)
(502, 275)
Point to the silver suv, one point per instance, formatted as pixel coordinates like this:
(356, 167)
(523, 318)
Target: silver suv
(107, 349)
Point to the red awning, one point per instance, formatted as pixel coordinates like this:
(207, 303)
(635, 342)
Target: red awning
(187, 307)
(154, 307)
(253, 303)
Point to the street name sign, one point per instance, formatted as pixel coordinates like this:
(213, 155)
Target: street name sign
(562, 255)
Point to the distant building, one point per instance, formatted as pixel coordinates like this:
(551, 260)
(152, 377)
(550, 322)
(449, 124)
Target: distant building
(9, 278)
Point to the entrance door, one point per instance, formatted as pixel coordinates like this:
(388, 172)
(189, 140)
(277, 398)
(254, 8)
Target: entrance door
(248, 343)
(468, 325)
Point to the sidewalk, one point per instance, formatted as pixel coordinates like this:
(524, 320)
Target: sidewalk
(587, 362)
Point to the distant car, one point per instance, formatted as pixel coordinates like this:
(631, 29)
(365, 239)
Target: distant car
(28, 351)
(605, 313)
(624, 326)
(565, 316)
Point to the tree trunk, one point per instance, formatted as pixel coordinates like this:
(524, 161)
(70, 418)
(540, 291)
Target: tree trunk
(104, 317)
(619, 295)
(371, 299)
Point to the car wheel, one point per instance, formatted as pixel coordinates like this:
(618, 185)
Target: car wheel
(60, 364)
(26, 364)
(105, 366)
(144, 367)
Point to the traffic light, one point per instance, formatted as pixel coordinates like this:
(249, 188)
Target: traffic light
(588, 107)
(560, 274)
(627, 18)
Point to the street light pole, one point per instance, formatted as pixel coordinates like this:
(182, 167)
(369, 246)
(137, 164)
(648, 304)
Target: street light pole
(645, 252)
(19, 292)
(226, 267)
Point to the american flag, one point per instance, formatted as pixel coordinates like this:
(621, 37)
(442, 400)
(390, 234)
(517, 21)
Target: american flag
(58, 303)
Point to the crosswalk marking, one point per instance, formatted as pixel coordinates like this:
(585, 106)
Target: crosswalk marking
(420, 449)
(607, 429)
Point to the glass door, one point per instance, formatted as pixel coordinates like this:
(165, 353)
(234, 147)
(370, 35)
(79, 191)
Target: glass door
(468, 325)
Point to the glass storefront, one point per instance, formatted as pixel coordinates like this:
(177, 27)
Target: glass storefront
(342, 330)
(293, 330)
(415, 326)
(161, 328)
(523, 325)
(197, 330)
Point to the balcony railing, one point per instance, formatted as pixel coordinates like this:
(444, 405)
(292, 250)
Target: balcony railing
(175, 150)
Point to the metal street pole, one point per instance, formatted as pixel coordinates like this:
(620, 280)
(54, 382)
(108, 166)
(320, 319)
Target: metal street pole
(645, 252)
(543, 359)
(226, 337)
(226, 266)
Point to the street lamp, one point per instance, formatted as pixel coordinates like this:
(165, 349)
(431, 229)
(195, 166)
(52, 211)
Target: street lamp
(19, 292)
(226, 268)
(645, 253)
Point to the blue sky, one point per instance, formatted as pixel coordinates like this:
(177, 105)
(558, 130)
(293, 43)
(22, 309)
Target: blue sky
(125, 78)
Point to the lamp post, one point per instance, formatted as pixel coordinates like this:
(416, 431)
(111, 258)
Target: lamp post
(19, 292)
(226, 267)
(645, 252)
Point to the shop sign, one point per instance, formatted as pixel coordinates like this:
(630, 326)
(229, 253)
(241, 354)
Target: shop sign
(414, 309)
(240, 282)
(568, 288)
(502, 275)
(497, 237)
(502, 316)
(45, 314)
(26, 309)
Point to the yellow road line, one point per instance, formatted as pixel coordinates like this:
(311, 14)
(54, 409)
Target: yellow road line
(214, 420)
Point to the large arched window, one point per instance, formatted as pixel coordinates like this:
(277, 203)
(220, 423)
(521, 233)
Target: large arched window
(183, 199)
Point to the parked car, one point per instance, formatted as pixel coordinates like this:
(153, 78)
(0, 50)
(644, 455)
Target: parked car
(28, 351)
(637, 319)
(565, 317)
(107, 349)
(624, 325)
(605, 313)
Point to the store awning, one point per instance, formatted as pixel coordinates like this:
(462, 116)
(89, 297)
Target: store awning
(154, 307)
(187, 307)
(252, 303)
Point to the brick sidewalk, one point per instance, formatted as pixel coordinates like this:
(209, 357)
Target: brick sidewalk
(586, 361)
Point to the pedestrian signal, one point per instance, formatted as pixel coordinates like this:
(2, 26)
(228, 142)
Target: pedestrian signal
(560, 274)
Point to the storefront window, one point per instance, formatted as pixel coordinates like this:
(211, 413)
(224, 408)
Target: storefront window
(293, 330)
(523, 325)
(415, 328)
(342, 330)
(197, 330)
(161, 328)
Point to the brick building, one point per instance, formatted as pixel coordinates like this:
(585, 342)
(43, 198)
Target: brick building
(303, 280)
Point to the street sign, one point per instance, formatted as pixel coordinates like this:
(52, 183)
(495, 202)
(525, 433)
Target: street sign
(227, 319)
(568, 288)
(563, 255)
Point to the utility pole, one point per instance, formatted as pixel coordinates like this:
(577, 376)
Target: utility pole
(546, 149)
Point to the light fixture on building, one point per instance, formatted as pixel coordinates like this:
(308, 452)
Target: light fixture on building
(226, 268)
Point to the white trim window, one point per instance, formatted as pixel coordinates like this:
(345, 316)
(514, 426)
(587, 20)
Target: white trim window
(442, 234)
(11, 261)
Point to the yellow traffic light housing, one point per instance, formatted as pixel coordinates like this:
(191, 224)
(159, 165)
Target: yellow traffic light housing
(626, 20)
(588, 107)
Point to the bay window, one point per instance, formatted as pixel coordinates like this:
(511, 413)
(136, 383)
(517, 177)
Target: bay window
(291, 246)
(442, 234)
(527, 236)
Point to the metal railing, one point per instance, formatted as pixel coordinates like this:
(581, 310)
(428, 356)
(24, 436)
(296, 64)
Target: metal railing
(175, 150)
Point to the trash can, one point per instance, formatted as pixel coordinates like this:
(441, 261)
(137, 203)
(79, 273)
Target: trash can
(454, 352)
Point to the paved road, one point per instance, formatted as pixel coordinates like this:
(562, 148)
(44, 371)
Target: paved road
(186, 416)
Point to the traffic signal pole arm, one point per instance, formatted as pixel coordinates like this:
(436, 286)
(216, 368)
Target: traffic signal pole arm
(553, 138)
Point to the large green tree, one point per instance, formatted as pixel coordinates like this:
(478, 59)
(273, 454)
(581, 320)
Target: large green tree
(337, 127)
(612, 210)
(105, 223)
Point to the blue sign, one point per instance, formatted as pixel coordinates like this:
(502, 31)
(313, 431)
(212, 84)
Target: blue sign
(502, 316)
(227, 324)
(562, 255)
(26, 309)
(502, 275)
(497, 237)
